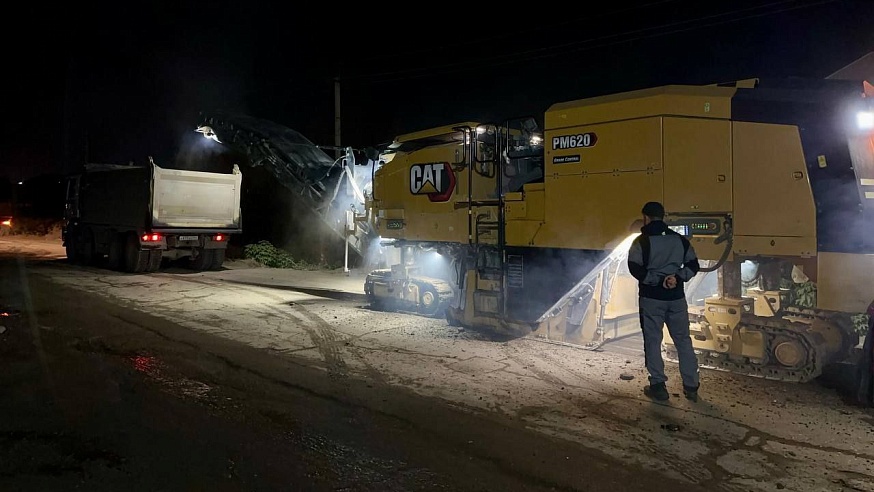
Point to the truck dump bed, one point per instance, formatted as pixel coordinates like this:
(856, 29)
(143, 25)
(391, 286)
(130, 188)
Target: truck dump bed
(195, 200)
(158, 199)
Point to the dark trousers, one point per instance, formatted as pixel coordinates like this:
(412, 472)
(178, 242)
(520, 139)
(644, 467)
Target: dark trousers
(654, 315)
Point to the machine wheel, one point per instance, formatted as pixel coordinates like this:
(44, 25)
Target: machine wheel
(790, 353)
(115, 260)
(155, 257)
(218, 259)
(429, 301)
(203, 260)
(136, 260)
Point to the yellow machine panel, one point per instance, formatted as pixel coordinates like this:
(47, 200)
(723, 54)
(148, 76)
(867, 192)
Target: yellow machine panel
(417, 196)
(679, 100)
(604, 148)
(603, 205)
(846, 282)
(697, 161)
(525, 215)
(772, 194)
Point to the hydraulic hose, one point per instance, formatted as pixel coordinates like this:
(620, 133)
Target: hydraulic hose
(728, 238)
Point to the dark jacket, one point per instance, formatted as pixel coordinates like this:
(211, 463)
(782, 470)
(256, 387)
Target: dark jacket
(657, 253)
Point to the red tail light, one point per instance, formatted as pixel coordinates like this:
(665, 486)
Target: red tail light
(219, 237)
(151, 238)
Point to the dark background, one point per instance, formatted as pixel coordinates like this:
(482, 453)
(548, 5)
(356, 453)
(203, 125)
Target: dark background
(116, 83)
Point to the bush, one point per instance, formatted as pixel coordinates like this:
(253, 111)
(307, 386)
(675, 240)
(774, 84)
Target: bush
(803, 295)
(35, 226)
(270, 256)
(860, 323)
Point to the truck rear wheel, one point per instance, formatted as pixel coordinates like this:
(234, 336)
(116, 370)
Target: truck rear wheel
(86, 248)
(155, 256)
(136, 259)
(203, 260)
(115, 259)
(218, 259)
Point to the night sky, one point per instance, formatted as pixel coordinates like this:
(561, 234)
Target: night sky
(118, 82)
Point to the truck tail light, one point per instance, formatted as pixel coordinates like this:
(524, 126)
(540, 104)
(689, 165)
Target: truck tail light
(151, 238)
(219, 237)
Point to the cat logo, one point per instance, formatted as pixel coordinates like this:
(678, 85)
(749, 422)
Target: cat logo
(434, 179)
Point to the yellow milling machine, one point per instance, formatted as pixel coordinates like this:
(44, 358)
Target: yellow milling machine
(522, 226)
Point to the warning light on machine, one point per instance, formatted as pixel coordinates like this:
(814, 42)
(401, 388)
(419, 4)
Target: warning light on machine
(865, 119)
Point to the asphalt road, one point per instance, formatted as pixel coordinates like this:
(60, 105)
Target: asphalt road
(184, 381)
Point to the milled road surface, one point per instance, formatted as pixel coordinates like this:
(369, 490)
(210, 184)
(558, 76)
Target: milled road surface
(212, 381)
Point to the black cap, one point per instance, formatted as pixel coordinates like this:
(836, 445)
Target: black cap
(654, 210)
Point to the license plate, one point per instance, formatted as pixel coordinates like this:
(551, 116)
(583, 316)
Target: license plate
(188, 238)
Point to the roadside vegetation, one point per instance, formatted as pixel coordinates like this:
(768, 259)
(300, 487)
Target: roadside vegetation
(26, 226)
(268, 255)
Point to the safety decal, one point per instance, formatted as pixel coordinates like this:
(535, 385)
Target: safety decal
(566, 159)
(394, 224)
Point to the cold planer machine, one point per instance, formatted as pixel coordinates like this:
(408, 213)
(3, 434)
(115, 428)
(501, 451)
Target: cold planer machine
(772, 181)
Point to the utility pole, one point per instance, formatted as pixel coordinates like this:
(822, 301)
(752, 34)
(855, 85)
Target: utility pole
(337, 143)
(337, 154)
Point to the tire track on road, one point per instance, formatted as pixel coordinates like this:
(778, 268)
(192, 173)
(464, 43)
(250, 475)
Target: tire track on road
(327, 340)
(323, 337)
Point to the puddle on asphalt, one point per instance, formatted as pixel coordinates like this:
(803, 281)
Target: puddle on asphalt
(156, 370)
(147, 365)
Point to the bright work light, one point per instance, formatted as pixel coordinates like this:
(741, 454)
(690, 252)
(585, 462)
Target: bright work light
(865, 119)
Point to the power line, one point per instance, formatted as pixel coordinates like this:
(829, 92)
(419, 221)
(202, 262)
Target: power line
(577, 46)
(556, 50)
(509, 34)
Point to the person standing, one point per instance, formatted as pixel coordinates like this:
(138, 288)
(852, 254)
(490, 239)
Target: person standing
(662, 261)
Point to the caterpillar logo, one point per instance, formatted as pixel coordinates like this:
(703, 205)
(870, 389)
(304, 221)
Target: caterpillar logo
(434, 179)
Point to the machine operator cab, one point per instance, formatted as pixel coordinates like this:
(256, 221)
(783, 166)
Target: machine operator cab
(522, 156)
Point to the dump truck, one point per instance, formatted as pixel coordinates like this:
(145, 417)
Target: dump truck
(772, 181)
(131, 218)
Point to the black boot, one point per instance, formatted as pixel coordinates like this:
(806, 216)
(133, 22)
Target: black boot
(657, 391)
(691, 393)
